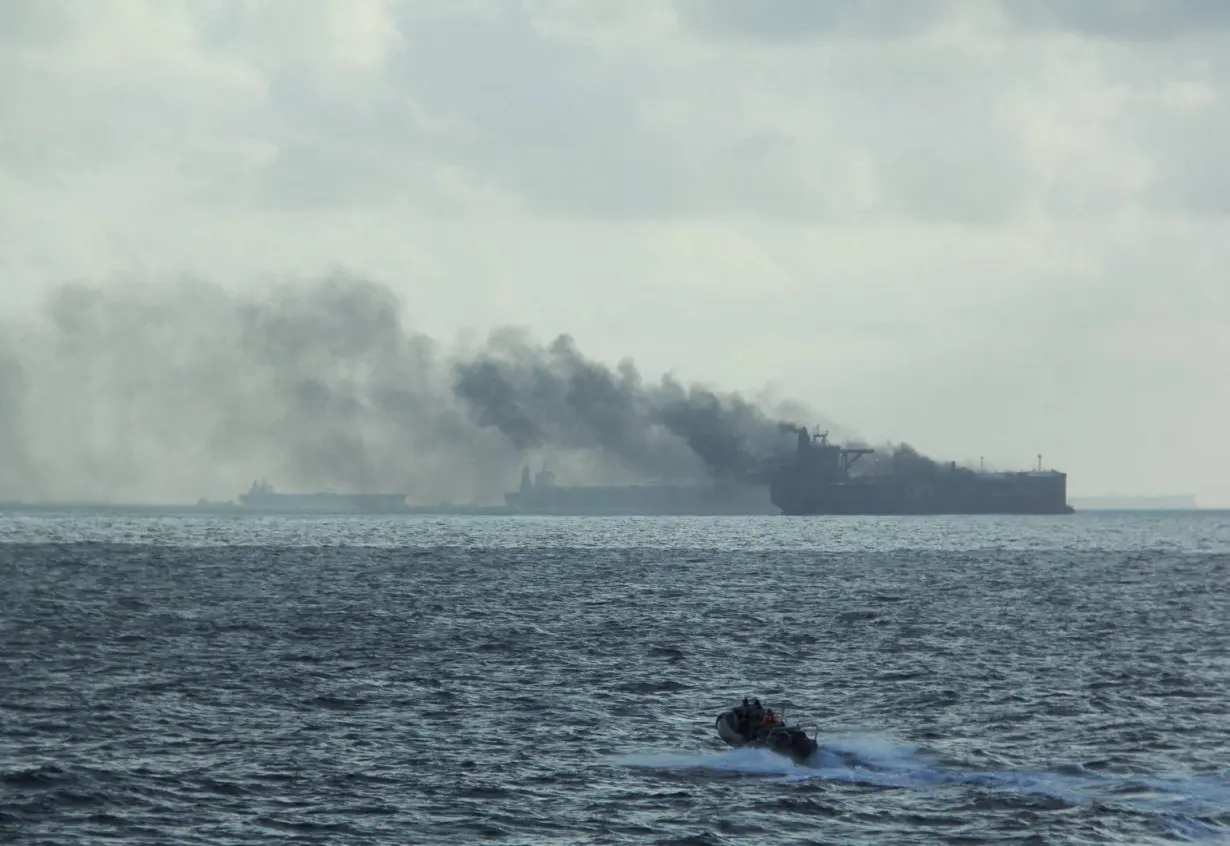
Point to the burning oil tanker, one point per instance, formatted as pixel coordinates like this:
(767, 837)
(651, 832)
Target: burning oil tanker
(817, 479)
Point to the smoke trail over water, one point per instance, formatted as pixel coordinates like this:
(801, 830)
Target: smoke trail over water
(553, 395)
(175, 390)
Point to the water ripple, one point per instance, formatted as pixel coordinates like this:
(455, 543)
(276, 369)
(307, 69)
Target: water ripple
(433, 682)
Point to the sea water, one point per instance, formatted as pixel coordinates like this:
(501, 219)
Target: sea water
(257, 679)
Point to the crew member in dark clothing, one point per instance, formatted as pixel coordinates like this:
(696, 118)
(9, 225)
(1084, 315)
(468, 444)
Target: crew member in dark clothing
(741, 716)
(752, 717)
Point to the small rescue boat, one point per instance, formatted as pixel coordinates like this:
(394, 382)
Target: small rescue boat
(752, 725)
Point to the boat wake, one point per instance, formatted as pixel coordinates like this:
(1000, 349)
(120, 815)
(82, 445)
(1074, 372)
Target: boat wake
(1192, 807)
(862, 760)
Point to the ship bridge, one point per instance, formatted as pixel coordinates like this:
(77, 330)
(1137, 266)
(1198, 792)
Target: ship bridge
(829, 461)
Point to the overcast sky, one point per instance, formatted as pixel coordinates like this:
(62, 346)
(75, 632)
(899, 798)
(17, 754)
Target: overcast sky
(986, 228)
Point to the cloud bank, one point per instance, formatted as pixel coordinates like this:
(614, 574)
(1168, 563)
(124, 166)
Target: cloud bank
(987, 228)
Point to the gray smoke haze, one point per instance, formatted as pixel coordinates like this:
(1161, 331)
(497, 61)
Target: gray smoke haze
(891, 459)
(904, 460)
(177, 390)
(553, 396)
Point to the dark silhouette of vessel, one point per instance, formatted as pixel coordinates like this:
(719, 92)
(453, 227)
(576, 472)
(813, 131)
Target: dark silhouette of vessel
(745, 726)
(818, 480)
(262, 497)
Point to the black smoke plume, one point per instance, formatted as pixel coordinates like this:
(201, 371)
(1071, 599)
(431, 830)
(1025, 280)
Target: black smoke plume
(901, 460)
(553, 396)
(176, 390)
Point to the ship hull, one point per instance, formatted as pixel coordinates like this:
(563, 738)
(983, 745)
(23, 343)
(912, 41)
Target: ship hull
(969, 494)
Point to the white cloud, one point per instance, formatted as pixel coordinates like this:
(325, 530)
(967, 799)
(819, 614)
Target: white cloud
(982, 228)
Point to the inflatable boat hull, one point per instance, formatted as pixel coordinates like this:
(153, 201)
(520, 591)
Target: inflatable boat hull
(791, 742)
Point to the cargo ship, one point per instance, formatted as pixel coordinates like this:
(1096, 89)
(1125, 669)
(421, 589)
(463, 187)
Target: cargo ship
(541, 495)
(262, 497)
(817, 479)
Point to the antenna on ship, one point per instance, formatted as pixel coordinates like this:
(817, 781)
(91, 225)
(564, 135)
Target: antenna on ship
(1039, 462)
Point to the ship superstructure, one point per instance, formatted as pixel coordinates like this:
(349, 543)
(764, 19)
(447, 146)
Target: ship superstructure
(818, 480)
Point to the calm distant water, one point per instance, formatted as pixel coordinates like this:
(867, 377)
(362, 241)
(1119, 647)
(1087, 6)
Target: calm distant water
(225, 679)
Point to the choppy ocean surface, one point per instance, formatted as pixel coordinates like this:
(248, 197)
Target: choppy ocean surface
(237, 679)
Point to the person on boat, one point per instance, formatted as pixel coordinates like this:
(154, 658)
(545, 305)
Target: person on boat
(771, 719)
(756, 719)
(747, 716)
(741, 714)
(755, 715)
